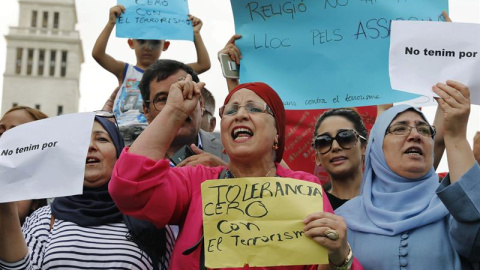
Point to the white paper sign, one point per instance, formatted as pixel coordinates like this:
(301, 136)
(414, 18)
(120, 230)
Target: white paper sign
(424, 53)
(45, 158)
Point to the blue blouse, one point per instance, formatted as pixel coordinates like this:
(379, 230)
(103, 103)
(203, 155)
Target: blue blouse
(450, 243)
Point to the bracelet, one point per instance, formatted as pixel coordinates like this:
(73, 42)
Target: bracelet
(347, 263)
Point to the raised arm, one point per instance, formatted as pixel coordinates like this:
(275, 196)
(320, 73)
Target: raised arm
(99, 49)
(455, 104)
(232, 50)
(203, 60)
(182, 99)
(460, 189)
(13, 247)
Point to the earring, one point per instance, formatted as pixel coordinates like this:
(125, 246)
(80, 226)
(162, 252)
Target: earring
(275, 145)
(224, 151)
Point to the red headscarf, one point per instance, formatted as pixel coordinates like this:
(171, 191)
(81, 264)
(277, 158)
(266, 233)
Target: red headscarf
(273, 101)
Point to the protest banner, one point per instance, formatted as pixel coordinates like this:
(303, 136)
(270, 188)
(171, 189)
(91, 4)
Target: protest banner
(421, 56)
(324, 53)
(45, 158)
(155, 19)
(259, 222)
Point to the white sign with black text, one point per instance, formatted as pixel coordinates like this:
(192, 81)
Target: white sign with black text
(424, 53)
(45, 158)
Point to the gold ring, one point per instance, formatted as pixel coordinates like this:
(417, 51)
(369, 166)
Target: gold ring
(332, 234)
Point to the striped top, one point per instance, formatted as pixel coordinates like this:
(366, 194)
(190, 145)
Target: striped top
(69, 246)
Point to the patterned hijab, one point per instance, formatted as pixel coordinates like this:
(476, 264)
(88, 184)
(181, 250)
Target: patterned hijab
(389, 203)
(273, 101)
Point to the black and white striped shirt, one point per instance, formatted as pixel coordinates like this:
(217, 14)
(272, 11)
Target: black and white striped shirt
(69, 246)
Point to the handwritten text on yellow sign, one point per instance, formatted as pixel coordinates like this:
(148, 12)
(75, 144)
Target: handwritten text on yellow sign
(259, 222)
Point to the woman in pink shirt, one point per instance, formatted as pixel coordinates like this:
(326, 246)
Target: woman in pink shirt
(253, 134)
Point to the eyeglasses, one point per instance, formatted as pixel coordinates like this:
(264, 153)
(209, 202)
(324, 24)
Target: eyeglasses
(405, 130)
(106, 114)
(251, 107)
(158, 102)
(345, 138)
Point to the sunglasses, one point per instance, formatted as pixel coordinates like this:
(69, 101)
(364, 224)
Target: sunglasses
(345, 138)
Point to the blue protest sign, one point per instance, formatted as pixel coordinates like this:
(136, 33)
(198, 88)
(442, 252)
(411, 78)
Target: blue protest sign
(324, 53)
(155, 19)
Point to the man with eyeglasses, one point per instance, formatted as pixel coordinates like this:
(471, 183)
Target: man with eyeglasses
(154, 88)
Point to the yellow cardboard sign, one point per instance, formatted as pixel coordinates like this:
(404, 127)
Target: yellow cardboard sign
(259, 222)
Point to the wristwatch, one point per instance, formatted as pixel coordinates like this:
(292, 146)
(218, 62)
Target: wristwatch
(347, 263)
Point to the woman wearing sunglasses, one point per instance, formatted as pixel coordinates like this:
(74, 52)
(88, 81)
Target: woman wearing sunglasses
(339, 140)
(253, 134)
(405, 219)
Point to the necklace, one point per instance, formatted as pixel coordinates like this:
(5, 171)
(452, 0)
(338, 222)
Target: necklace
(231, 175)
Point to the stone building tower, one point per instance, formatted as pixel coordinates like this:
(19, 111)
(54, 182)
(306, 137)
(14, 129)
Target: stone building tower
(44, 54)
